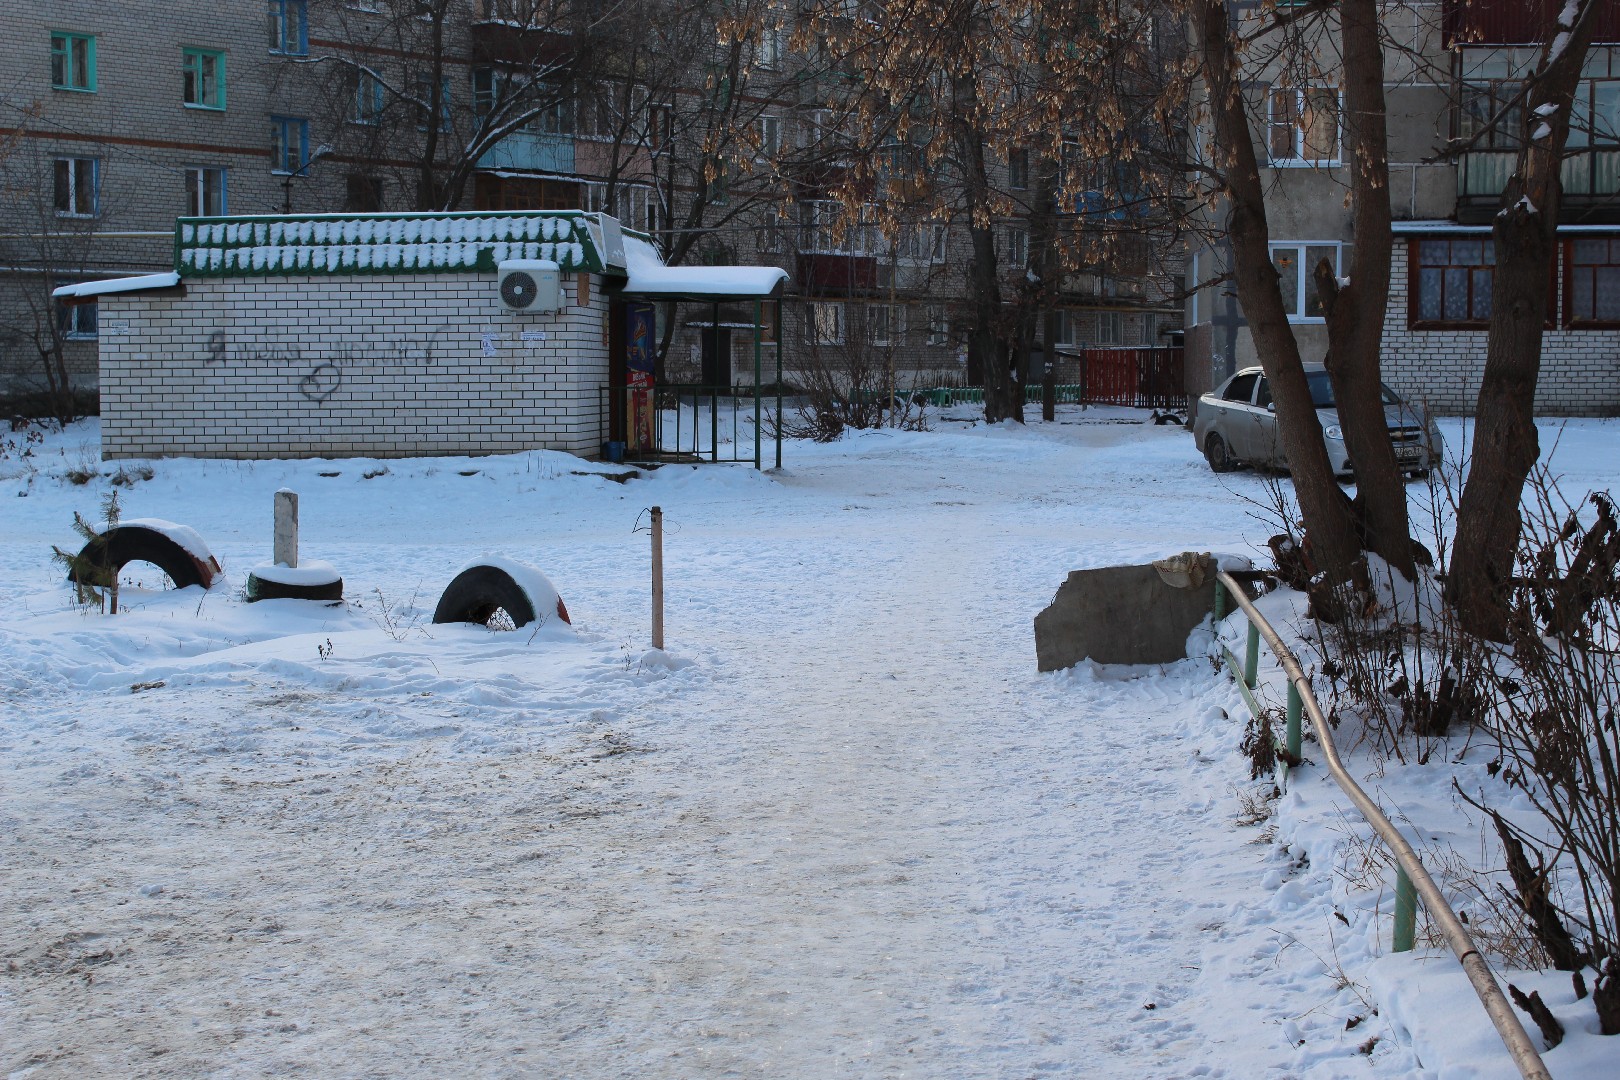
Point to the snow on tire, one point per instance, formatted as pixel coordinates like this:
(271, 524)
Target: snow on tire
(175, 549)
(495, 583)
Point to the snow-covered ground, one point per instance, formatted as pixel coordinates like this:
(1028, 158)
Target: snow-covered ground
(839, 827)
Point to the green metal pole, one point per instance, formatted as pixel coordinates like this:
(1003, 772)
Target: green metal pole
(1405, 912)
(1296, 706)
(1220, 601)
(779, 384)
(1251, 659)
(758, 460)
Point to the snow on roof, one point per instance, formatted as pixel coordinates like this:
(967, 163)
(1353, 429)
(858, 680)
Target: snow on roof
(383, 243)
(117, 285)
(648, 276)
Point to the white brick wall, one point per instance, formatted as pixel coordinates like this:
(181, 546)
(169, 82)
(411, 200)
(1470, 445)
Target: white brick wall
(1580, 369)
(380, 366)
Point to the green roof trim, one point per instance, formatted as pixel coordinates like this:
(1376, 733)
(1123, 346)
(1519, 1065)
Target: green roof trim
(323, 244)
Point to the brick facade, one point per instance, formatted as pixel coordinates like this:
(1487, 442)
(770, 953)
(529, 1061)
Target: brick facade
(1580, 369)
(373, 365)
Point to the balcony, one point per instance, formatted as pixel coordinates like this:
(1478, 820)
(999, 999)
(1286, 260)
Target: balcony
(1591, 186)
(528, 151)
(1517, 22)
(828, 273)
(498, 41)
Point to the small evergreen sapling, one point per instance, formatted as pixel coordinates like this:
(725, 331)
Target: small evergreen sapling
(89, 570)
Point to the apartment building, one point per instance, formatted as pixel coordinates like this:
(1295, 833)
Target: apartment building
(1451, 67)
(119, 117)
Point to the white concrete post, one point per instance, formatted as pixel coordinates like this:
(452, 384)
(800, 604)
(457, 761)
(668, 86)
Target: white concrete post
(286, 536)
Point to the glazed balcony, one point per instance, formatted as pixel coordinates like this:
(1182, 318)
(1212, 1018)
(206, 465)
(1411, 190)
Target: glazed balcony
(1591, 181)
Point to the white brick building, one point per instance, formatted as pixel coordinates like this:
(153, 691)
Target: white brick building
(381, 335)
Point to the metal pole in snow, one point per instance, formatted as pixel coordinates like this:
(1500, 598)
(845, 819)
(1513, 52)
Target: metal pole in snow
(658, 577)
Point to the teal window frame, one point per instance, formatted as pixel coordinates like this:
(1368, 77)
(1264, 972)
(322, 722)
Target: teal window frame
(289, 27)
(194, 78)
(71, 70)
(289, 135)
(368, 97)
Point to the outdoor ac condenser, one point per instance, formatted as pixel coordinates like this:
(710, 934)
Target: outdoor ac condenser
(530, 285)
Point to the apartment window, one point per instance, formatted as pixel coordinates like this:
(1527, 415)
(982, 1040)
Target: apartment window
(1296, 272)
(77, 187)
(424, 101)
(939, 325)
(1592, 283)
(289, 27)
(1017, 247)
(368, 97)
(772, 44)
(1302, 125)
(551, 113)
(1452, 281)
(824, 324)
(364, 193)
(936, 248)
(770, 135)
(76, 322)
(1018, 170)
(776, 223)
(205, 192)
(1192, 291)
(1110, 328)
(73, 61)
(886, 324)
(203, 78)
(1065, 328)
(289, 144)
(485, 91)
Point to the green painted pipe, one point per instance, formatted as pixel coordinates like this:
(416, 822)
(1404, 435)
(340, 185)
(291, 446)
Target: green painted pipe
(1251, 659)
(1405, 912)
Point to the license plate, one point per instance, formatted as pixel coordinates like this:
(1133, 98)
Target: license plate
(1408, 453)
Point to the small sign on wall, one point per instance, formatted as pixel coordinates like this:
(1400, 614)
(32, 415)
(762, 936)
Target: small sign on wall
(113, 328)
(533, 335)
(486, 344)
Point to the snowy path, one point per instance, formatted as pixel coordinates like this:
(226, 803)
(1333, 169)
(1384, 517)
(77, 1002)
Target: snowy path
(850, 832)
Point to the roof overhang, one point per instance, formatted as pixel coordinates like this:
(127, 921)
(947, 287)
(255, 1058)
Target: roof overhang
(647, 278)
(88, 292)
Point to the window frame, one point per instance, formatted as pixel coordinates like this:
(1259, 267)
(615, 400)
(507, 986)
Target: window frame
(1569, 319)
(1414, 294)
(67, 38)
(1018, 169)
(1115, 321)
(1298, 158)
(279, 128)
(73, 187)
(196, 190)
(814, 324)
(939, 326)
(893, 319)
(283, 15)
(190, 53)
(70, 320)
(364, 79)
(1306, 274)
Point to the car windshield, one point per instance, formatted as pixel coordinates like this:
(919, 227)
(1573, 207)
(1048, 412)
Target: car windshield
(1322, 391)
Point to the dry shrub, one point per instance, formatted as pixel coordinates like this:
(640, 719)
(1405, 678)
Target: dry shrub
(850, 385)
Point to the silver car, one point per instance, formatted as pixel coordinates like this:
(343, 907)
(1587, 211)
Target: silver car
(1237, 424)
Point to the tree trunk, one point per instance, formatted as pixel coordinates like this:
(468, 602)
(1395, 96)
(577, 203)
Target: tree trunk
(1355, 313)
(1329, 522)
(1003, 397)
(1505, 442)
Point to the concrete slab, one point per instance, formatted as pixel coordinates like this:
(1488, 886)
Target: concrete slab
(1125, 615)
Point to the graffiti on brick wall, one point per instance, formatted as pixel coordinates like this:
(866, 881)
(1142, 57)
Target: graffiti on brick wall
(317, 374)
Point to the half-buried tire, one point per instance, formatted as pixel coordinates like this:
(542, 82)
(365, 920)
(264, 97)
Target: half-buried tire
(310, 580)
(496, 584)
(152, 541)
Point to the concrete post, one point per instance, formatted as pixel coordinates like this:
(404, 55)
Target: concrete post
(286, 534)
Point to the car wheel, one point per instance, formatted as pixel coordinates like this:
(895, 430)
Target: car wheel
(1219, 457)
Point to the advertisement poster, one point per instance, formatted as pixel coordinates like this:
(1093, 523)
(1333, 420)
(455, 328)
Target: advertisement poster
(640, 331)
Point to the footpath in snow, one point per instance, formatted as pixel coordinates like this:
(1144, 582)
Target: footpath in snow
(840, 827)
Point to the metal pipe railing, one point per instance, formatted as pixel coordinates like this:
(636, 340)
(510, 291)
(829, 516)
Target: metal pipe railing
(1417, 884)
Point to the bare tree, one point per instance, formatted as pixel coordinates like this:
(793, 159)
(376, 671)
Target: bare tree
(53, 210)
(1506, 447)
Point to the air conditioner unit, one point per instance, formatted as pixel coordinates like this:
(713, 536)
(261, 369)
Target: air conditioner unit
(530, 285)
